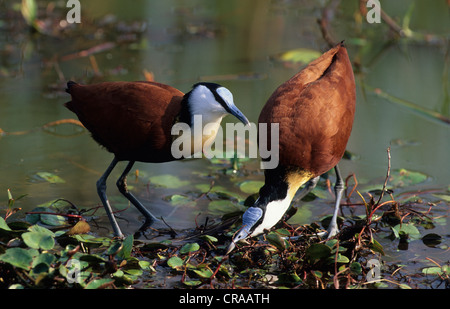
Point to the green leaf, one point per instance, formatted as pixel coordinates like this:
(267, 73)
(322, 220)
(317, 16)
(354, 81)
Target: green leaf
(356, 268)
(168, 181)
(29, 11)
(50, 177)
(127, 247)
(192, 282)
(434, 270)
(175, 262)
(18, 257)
(405, 178)
(53, 220)
(209, 238)
(93, 259)
(376, 246)
(191, 247)
(38, 240)
(44, 258)
(251, 186)
(222, 207)
(317, 251)
(338, 259)
(276, 240)
(302, 55)
(408, 229)
(204, 273)
(100, 283)
(3, 225)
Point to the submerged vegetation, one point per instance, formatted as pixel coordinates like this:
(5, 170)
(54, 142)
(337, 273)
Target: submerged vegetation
(54, 247)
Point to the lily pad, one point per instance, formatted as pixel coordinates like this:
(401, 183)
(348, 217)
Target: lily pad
(18, 257)
(317, 251)
(50, 177)
(222, 207)
(175, 262)
(251, 186)
(168, 181)
(407, 230)
(299, 55)
(191, 247)
(404, 178)
(3, 225)
(204, 272)
(39, 238)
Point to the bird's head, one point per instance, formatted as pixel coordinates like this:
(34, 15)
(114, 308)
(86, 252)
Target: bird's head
(274, 200)
(213, 102)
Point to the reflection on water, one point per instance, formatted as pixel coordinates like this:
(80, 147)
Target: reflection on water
(234, 43)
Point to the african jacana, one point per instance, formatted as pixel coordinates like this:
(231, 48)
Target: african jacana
(133, 120)
(314, 110)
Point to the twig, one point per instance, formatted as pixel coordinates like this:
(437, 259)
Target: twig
(387, 176)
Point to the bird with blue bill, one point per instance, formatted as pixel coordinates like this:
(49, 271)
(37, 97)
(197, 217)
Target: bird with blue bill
(314, 111)
(134, 120)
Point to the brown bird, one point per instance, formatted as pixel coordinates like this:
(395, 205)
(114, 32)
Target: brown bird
(134, 121)
(314, 111)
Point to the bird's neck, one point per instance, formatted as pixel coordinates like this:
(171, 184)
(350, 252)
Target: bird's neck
(203, 126)
(276, 195)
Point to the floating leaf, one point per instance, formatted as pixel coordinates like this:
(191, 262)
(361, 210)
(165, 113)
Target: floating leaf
(175, 262)
(18, 257)
(434, 270)
(276, 240)
(302, 55)
(443, 197)
(127, 247)
(204, 273)
(317, 251)
(192, 282)
(50, 177)
(356, 268)
(53, 220)
(404, 178)
(408, 230)
(191, 247)
(251, 186)
(209, 238)
(3, 225)
(221, 207)
(182, 200)
(98, 284)
(376, 246)
(36, 240)
(168, 181)
(81, 227)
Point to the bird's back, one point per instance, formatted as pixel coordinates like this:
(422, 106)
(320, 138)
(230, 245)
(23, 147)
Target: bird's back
(133, 120)
(315, 111)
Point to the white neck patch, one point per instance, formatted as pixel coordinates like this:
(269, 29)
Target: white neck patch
(274, 212)
(202, 102)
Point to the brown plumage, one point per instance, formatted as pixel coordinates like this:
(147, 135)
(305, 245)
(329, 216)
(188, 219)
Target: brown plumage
(314, 110)
(130, 119)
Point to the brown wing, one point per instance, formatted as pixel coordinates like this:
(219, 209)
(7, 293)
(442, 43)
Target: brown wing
(130, 119)
(315, 111)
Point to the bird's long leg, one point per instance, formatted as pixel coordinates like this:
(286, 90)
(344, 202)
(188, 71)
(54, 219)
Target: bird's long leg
(338, 189)
(101, 190)
(122, 185)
